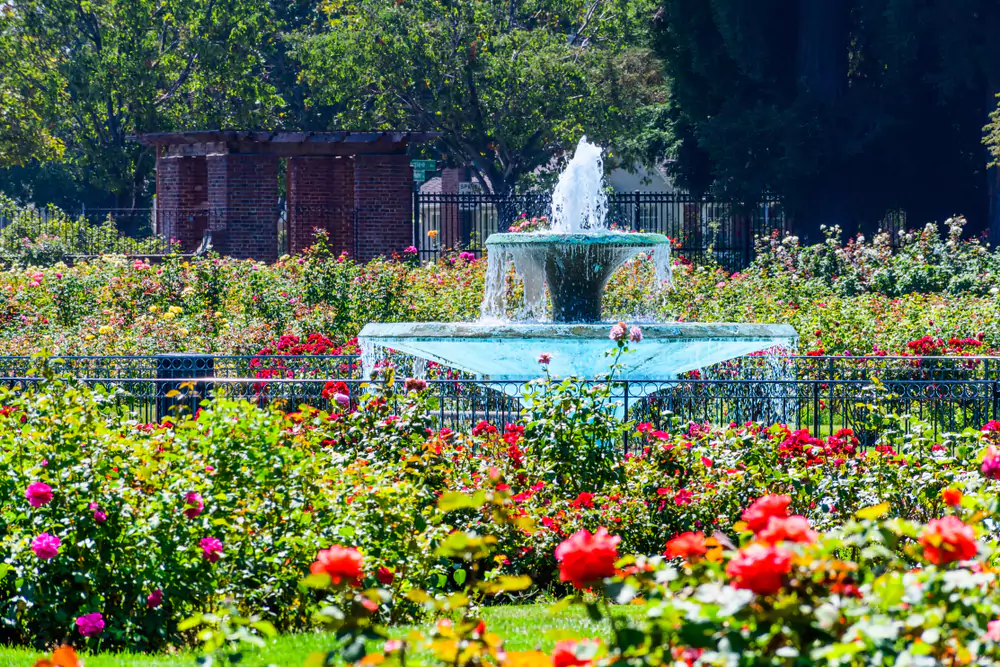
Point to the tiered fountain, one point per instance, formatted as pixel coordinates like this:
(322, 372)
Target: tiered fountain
(574, 260)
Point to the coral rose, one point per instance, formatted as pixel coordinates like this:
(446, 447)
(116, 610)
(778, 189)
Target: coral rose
(762, 509)
(947, 540)
(760, 568)
(951, 497)
(585, 558)
(38, 494)
(341, 563)
(787, 529)
(689, 546)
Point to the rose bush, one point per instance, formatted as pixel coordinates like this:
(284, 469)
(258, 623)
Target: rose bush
(147, 524)
(927, 295)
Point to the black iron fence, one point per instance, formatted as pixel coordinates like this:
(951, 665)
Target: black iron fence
(822, 394)
(699, 226)
(49, 232)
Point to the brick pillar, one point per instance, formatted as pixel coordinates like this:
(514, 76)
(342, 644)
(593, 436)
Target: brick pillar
(321, 195)
(182, 199)
(243, 195)
(383, 200)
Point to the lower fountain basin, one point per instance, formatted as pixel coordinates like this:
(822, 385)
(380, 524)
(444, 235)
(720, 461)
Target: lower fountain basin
(509, 351)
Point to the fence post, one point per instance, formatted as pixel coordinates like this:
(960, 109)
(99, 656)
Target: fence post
(637, 213)
(416, 214)
(625, 443)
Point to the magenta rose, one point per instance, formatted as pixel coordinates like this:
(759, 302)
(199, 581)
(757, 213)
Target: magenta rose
(90, 625)
(154, 599)
(211, 549)
(38, 494)
(194, 505)
(46, 546)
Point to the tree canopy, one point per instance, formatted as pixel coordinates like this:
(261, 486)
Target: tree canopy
(510, 83)
(847, 108)
(102, 70)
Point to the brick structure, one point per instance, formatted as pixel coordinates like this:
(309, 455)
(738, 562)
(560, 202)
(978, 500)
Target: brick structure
(243, 197)
(358, 186)
(383, 203)
(321, 196)
(182, 195)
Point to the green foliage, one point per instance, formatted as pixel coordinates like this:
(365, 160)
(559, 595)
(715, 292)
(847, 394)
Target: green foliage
(510, 84)
(846, 109)
(102, 71)
(430, 509)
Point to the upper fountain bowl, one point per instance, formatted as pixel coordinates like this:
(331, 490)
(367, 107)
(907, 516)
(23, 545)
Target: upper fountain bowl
(576, 266)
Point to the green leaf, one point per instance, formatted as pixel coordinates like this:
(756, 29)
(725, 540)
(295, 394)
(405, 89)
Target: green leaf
(460, 577)
(453, 500)
(873, 512)
(189, 623)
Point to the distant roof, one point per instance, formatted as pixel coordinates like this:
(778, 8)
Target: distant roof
(281, 137)
(432, 186)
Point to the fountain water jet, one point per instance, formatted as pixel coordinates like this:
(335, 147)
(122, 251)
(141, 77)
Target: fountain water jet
(574, 261)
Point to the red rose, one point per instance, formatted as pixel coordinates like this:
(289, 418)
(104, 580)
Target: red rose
(341, 563)
(330, 389)
(787, 529)
(585, 558)
(689, 546)
(947, 540)
(760, 568)
(385, 576)
(951, 497)
(564, 654)
(762, 509)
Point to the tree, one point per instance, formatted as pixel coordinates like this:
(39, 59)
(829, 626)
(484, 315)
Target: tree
(103, 70)
(847, 108)
(511, 84)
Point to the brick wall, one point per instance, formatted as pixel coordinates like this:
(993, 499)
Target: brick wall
(383, 198)
(243, 196)
(182, 199)
(321, 195)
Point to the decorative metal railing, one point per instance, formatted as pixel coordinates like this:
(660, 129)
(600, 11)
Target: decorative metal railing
(822, 394)
(700, 226)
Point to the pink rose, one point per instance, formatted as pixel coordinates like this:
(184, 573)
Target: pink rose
(154, 599)
(193, 504)
(46, 546)
(100, 516)
(38, 494)
(90, 625)
(211, 548)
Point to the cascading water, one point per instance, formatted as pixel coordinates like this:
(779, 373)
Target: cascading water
(567, 267)
(579, 203)
(575, 257)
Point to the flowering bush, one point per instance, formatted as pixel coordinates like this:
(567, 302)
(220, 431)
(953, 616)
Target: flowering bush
(930, 295)
(149, 524)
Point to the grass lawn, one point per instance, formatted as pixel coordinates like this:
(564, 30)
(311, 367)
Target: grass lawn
(523, 626)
